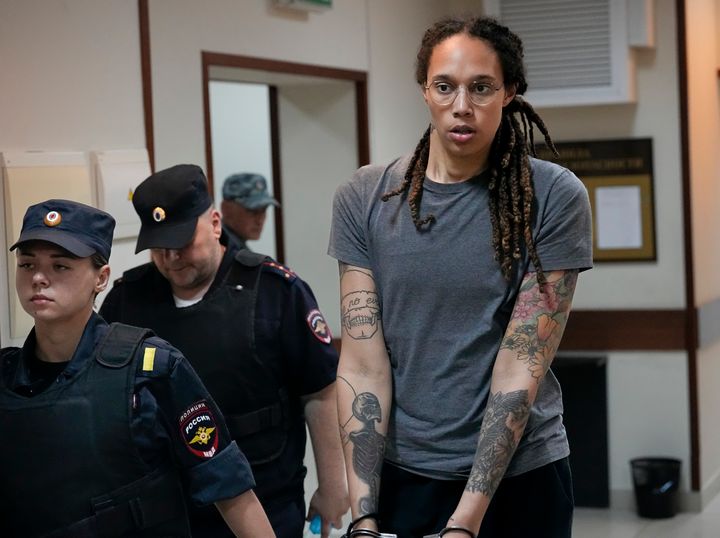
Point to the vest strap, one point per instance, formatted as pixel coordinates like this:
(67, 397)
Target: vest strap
(119, 345)
(154, 501)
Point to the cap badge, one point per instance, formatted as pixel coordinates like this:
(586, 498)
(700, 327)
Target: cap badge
(158, 214)
(53, 218)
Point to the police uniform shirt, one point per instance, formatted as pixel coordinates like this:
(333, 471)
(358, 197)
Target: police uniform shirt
(167, 395)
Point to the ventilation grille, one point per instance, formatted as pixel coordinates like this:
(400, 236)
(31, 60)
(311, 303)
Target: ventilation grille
(577, 52)
(567, 42)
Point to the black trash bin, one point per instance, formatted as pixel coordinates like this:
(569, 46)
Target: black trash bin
(656, 482)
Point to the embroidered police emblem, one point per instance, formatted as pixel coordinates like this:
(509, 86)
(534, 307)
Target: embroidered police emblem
(319, 326)
(199, 431)
(158, 214)
(53, 218)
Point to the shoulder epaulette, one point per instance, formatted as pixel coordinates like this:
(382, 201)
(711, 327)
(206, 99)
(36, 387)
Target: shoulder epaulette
(155, 359)
(275, 268)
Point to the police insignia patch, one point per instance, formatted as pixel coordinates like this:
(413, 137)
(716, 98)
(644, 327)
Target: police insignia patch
(198, 430)
(319, 326)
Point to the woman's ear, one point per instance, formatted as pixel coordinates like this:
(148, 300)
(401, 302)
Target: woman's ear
(423, 91)
(510, 93)
(103, 279)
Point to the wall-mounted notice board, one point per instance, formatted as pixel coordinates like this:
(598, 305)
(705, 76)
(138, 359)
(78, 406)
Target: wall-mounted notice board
(30, 177)
(618, 175)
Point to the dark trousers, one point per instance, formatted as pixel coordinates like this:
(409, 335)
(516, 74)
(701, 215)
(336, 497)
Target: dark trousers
(536, 504)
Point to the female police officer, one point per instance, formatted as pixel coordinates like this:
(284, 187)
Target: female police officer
(103, 423)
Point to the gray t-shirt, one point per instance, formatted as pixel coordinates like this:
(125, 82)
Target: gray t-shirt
(446, 306)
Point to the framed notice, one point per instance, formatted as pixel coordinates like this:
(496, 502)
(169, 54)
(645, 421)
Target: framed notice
(618, 175)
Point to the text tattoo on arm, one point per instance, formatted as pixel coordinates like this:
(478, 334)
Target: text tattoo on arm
(360, 309)
(368, 446)
(505, 417)
(539, 321)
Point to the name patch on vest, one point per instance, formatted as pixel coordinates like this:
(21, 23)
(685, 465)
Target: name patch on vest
(198, 430)
(319, 326)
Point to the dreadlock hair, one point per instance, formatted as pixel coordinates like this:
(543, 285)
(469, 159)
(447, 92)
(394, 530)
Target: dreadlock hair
(511, 192)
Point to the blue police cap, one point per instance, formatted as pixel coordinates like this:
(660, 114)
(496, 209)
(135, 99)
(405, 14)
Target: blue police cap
(169, 203)
(248, 190)
(78, 228)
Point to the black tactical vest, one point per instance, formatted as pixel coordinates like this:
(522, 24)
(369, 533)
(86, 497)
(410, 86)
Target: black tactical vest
(68, 464)
(217, 336)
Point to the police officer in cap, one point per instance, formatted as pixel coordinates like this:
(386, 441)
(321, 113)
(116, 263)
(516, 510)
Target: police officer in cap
(253, 331)
(244, 206)
(103, 423)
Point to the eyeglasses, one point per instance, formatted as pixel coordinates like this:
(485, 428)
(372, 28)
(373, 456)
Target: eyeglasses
(443, 93)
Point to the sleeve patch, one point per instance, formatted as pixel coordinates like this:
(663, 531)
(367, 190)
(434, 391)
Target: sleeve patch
(199, 430)
(319, 326)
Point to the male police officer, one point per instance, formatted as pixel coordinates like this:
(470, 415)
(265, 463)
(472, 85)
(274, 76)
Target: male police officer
(252, 330)
(244, 206)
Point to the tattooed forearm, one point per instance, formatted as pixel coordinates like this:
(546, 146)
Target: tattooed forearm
(360, 308)
(360, 314)
(539, 320)
(368, 446)
(504, 421)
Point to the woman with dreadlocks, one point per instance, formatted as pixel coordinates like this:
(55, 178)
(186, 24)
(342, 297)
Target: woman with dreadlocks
(457, 269)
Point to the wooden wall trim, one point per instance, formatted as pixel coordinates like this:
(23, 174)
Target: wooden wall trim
(146, 73)
(279, 66)
(276, 171)
(622, 330)
(692, 317)
(630, 330)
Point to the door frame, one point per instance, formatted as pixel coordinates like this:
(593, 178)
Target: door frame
(216, 59)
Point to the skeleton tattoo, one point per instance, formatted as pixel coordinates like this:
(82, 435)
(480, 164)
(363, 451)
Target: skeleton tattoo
(368, 446)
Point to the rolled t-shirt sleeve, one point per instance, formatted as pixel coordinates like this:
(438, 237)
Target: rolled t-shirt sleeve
(348, 231)
(563, 236)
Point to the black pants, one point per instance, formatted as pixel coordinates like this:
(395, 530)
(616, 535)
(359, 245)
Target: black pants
(536, 504)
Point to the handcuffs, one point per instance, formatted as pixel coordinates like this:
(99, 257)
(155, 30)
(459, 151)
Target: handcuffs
(352, 532)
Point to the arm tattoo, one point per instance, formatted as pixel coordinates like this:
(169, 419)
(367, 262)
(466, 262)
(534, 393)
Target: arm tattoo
(368, 448)
(360, 309)
(505, 415)
(539, 320)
